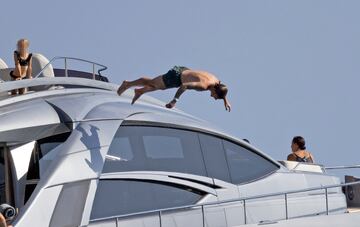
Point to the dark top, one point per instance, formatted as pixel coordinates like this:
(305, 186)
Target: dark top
(23, 62)
(294, 157)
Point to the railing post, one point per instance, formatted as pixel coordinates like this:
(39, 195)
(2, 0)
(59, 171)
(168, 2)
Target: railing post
(94, 71)
(244, 212)
(203, 215)
(327, 201)
(286, 207)
(160, 219)
(65, 66)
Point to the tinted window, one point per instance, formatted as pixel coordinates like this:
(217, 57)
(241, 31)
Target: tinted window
(119, 197)
(170, 147)
(70, 204)
(43, 154)
(155, 149)
(123, 148)
(246, 165)
(214, 157)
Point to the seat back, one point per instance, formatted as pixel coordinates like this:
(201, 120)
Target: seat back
(5, 74)
(39, 61)
(3, 65)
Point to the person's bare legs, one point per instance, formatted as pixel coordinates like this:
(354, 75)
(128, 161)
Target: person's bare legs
(143, 81)
(155, 84)
(14, 92)
(22, 91)
(140, 91)
(2, 221)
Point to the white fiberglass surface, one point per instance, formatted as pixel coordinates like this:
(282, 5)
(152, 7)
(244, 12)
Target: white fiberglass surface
(21, 157)
(25, 115)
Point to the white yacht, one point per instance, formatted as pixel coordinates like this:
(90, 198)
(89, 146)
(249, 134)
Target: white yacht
(74, 153)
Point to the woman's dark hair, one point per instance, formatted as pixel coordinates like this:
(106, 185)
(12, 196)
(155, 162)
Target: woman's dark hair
(221, 90)
(300, 141)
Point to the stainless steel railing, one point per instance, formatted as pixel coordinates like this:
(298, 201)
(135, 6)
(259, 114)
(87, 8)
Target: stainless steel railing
(66, 59)
(342, 167)
(160, 212)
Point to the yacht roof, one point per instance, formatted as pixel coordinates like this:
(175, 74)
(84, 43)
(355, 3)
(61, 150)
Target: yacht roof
(90, 100)
(94, 100)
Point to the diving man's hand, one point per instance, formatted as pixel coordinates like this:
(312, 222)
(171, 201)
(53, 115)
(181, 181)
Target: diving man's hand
(171, 104)
(227, 105)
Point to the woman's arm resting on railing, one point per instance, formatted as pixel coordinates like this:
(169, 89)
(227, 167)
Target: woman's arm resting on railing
(17, 70)
(29, 70)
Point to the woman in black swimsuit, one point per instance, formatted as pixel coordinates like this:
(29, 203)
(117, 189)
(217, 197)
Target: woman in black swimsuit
(299, 152)
(23, 64)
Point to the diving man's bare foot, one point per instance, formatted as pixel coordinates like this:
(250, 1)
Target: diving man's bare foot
(123, 87)
(137, 95)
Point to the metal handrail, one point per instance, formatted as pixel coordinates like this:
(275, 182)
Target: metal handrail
(244, 199)
(103, 67)
(342, 167)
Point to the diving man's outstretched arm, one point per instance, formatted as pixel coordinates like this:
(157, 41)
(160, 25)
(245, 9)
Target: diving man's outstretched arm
(178, 93)
(185, 86)
(227, 104)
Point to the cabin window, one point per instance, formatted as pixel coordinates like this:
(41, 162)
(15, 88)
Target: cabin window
(144, 148)
(121, 197)
(70, 204)
(123, 149)
(155, 149)
(245, 165)
(171, 147)
(214, 156)
(46, 149)
(43, 154)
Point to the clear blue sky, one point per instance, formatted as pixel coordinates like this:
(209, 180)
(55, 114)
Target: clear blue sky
(292, 67)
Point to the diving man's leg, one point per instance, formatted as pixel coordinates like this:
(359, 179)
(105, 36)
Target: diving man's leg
(139, 92)
(157, 83)
(143, 81)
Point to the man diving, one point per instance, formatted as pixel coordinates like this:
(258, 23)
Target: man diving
(182, 78)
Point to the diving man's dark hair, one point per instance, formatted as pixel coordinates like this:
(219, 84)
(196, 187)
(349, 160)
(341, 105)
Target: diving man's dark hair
(221, 90)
